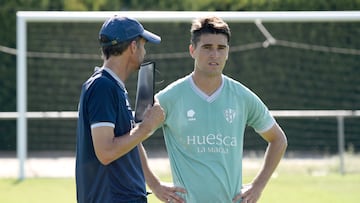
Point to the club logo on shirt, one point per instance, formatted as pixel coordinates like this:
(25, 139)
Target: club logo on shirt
(229, 115)
(191, 115)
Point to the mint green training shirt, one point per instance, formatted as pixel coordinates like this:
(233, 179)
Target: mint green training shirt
(204, 136)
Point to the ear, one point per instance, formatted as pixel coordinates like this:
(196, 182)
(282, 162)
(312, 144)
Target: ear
(133, 46)
(191, 50)
(227, 52)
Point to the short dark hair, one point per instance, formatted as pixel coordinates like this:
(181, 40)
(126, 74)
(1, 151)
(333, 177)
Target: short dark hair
(208, 25)
(116, 49)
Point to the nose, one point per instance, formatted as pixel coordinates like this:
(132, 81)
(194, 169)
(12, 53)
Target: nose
(214, 53)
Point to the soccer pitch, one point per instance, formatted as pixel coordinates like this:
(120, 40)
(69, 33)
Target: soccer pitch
(296, 180)
(286, 188)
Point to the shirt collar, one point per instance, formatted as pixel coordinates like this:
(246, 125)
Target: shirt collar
(206, 97)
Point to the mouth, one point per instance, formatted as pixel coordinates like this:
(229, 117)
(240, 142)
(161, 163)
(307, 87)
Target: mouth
(213, 64)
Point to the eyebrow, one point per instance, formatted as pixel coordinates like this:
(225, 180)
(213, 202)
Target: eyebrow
(219, 45)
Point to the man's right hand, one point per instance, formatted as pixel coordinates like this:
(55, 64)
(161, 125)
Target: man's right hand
(154, 116)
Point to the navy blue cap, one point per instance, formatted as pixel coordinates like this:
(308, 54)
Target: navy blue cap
(119, 29)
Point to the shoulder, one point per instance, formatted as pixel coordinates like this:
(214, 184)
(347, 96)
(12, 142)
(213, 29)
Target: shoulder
(100, 86)
(173, 88)
(236, 87)
(100, 79)
(171, 94)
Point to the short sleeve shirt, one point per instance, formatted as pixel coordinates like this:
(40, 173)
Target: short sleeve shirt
(104, 102)
(204, 136)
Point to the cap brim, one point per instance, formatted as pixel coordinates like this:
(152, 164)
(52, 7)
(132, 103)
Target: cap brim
(151, 37)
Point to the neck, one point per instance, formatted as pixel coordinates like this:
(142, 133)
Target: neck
(207, 84)
(120, 66)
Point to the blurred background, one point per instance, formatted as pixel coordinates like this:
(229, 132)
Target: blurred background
(314, 66)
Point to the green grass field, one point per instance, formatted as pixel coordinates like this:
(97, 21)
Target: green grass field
(296, 180)
(332, 188)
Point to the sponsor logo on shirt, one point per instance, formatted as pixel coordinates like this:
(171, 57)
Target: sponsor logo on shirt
(212, 143)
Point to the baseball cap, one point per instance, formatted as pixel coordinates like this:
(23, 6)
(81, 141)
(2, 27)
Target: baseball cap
(119, 29)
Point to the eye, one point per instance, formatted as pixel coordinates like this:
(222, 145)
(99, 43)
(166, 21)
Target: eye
(206, 47)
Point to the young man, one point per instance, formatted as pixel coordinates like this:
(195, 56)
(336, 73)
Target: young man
(110, 160)
(206, 115)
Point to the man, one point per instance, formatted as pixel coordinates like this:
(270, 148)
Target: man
(110, 160)
(206, 115)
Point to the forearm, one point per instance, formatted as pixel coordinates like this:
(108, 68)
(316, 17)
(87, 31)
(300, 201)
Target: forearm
(277, 144)
(109, 147)
(164, 192)
(127, 142)
(273, 155)
(151, 179)
(153, 118)
(274, 152)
